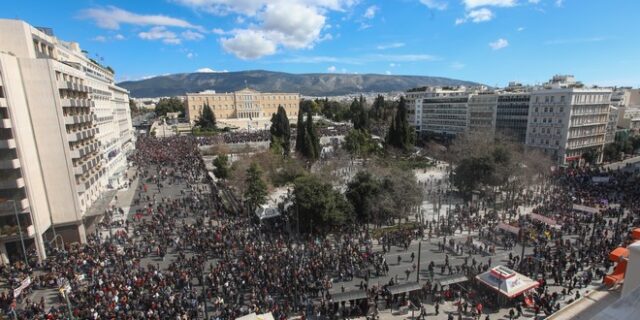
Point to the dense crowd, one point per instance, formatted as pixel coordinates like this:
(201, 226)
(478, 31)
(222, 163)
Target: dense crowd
(265, 135)
(181, 253)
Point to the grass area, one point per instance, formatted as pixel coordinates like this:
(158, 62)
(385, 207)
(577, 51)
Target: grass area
(377, 233)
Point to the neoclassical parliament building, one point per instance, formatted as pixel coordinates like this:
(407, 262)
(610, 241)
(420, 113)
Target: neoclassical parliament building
(244, 104)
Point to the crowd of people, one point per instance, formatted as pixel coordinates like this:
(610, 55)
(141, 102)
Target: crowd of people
(182, 254)
(264, 135)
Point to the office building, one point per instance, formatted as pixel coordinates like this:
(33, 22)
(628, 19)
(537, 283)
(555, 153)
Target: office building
(439, 111)
(65, 129)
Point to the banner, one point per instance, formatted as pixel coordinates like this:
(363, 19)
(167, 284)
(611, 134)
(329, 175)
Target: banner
(508, 228)
(23, 285)
(543, 219)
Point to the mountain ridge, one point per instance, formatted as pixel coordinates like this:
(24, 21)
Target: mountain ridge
(309, 84)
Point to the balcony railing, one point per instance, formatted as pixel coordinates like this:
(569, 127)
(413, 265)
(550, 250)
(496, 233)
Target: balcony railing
(10, 164)
(72, 86)
(76, 103)
(12, 183)
(77, 119)
(8, 144)
(5, 123)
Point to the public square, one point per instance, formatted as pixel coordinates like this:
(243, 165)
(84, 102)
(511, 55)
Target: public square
(173, 232)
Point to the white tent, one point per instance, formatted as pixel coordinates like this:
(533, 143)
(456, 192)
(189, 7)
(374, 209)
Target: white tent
(506, 281)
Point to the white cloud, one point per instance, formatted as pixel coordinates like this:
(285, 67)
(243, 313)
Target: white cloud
(390, 45)
(457, 65)
(249, 44)
(520, 29)
(219, 31)
(332, 69)
(387, 72)
(209, 70)
(480, 15)
(274, 24)
(100, 39)
(160, 33)
(253, 7)
(112, 17)
(434, 4)
(371, 11)
(190, 55)
(476, 16)
(534, 1)
(119, 37)
(499, 44)
(559, 3)
(192, 35)
(470, 4)
(392, 65)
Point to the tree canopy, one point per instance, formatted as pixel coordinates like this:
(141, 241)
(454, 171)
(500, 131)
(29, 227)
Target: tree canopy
(221, 167)
(280, 132)
(401, 135)
(256, 192)
(166, 105)
(207, 119)
(307, 139)
(359, 143)
(318, 206)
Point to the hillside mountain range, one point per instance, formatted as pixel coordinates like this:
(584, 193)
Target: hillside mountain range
(311, 84)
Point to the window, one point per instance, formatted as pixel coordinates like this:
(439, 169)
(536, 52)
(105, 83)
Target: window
(561, 99)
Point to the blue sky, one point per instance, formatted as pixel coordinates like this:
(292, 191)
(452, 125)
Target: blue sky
(489, 41)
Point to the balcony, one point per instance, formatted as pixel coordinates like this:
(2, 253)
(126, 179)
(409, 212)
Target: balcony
(77, 119)
(8, 144)
(10, 164)
(12, 183)
(5, 123)
(3, 102)
(76, 103)
(84, 150)
(82, 134)
(68, 85)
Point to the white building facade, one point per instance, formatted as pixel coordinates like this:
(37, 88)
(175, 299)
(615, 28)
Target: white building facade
(55, 105)
(568, 121)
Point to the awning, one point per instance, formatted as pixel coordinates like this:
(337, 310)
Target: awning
(581, 208)
(349, 295)
(452, 280)
(405, 287)
(506, 281)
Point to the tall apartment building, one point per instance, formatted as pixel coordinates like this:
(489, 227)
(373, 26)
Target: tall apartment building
(568, 120)
(60, 112)
(439, 110)
(243, 104)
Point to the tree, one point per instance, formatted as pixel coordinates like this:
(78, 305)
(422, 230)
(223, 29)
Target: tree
(401, 135)
(166, 105)
(300, 131)
(207, 120)
(221, 167)
(472, 173)
(133, 107)
(280, 131)
(359, 143)
(256, 192)
(318, 207)
(359, 117)
(362, 192)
